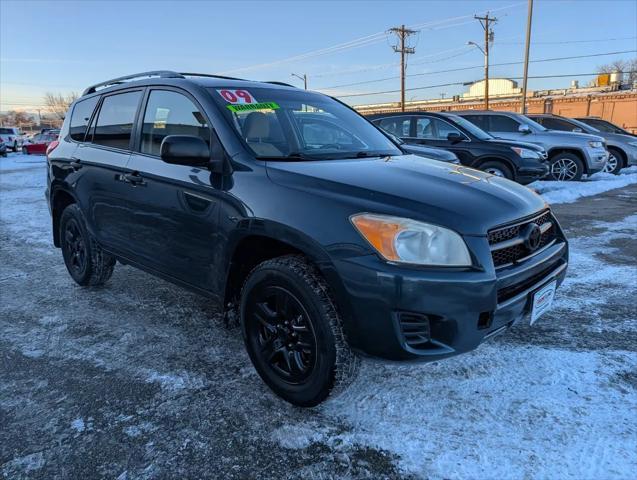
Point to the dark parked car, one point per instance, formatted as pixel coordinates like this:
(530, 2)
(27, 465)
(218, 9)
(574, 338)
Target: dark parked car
(622, 148)
(327, 239)
(474, 148)
(423, 151)
(604, 125)
(3, 149)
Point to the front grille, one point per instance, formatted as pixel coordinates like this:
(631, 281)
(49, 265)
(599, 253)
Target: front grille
(507, 244)
(414, 328)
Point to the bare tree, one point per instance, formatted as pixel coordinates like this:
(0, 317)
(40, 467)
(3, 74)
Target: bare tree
(628, 67)
(58, 103)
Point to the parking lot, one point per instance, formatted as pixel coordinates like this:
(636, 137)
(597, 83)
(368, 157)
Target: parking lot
(141, 379)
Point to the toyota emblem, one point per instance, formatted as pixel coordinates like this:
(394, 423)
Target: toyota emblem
(532, 236)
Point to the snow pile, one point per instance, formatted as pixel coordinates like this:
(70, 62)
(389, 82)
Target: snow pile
(568, 192)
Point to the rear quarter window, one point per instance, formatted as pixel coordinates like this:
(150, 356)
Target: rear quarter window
(80, 117)
(115, 120)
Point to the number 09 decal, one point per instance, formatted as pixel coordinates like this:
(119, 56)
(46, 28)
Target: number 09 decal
(241, 97)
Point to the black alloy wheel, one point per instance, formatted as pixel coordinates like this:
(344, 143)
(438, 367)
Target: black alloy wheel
(74, 248)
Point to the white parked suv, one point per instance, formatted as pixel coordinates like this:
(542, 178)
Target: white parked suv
(12, 138)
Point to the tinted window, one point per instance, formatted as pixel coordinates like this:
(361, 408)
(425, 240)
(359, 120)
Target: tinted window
(171, 113)
(115, 120)
(555, 124)
(81, 115)
(481, 121)
(502, 123)
(425, 128)
(398, 126)
(443, 129)
(5, 131)
(604, 126)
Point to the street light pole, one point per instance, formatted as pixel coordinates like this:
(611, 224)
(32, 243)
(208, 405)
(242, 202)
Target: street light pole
(527, 47)
(303, 77)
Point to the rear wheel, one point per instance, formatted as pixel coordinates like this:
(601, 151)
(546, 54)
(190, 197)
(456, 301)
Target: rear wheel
(566, 167)
(86, 262)
(615, 161)
(499, 169)
(25, 151)
(293, 332)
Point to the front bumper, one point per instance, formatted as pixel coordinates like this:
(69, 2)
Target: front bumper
(596, 159)
(463, 308)
(527, 175)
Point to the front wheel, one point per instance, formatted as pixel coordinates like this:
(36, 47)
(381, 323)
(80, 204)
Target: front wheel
(86, 262)
(498, 169)
(293, 332)
(566, 167)
(615, 162)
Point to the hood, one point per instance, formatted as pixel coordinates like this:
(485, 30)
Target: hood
(584, 137)
(457, 197)
(514, 143)
(618, 138)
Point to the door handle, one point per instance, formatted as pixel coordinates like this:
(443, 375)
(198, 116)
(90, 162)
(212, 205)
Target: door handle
(75, 164)
(134, 179)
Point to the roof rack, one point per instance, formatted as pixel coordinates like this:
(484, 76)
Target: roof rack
(116, 81)
(210, 75)
(274, 82)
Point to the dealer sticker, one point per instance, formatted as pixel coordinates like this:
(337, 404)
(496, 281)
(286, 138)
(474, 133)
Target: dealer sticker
(253, 107)
(542, 300)
(237, 97)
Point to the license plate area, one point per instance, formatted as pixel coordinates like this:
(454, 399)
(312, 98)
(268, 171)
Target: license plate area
(542, 300)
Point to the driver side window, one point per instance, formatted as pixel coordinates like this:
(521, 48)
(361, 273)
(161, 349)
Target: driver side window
(502, 123)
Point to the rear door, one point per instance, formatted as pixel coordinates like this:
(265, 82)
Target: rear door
(174, 228)
(101, 157)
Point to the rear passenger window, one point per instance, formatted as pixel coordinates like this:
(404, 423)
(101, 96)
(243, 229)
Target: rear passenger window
(171, 113)
(398, 126)
(80, 117)
(480, 121)
(502, 123)
(115, 120)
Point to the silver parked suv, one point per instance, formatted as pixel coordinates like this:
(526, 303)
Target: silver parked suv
(621, 147)
(571, 154)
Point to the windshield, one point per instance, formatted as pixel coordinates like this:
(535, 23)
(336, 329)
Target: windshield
(467, 125)
(299, 125)
(585, 127)
(604, 126)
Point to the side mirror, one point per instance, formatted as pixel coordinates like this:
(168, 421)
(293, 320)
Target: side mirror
(525, 129)
(454, 137)
(185, 150)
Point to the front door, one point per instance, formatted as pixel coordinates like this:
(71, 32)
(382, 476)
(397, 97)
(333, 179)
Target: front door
(434, 132)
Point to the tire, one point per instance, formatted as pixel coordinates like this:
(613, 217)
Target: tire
(287, 312)
(25, 151)
(615, 161)
(85, 261)
(566, 167)
(15, 147)
(499, 169)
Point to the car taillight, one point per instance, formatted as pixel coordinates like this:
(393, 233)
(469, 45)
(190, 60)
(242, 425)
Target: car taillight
(51, 147)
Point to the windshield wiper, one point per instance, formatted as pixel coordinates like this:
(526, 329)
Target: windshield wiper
(294, 156)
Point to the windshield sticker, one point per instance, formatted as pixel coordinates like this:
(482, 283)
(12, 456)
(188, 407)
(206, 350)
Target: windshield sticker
(237, 97)
(253, 107)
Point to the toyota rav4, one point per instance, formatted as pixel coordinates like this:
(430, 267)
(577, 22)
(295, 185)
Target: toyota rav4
(291, 209)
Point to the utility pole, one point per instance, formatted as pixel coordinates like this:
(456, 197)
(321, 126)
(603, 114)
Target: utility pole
(527, 47)
(402, 33)
(302, 77)
(488, 37)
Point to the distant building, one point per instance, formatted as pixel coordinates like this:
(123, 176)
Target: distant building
(498, 87)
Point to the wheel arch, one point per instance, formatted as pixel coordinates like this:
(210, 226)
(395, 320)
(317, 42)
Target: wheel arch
(622, 153)
(496, 158)
(60, 199)
(249, 247)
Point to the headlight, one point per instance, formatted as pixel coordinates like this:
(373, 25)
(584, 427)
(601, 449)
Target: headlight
(408, 241)
(595, 144)
(633, 144)
(525, 152)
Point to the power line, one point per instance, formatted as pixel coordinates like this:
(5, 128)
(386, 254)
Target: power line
(478, 66)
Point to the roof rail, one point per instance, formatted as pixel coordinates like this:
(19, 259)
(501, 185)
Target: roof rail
(115, 81)
(274, 82)
(210, 75)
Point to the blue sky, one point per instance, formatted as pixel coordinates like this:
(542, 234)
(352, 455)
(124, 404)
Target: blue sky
(65, 46)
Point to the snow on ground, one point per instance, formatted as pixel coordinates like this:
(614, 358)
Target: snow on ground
(568, 192)
(141, 379)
